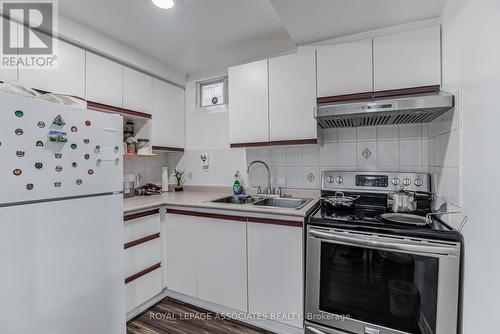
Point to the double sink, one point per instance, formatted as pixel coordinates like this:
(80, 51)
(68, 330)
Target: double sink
(271, 202)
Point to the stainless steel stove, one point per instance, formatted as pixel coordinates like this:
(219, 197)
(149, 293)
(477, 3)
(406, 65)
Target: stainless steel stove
(367, 275)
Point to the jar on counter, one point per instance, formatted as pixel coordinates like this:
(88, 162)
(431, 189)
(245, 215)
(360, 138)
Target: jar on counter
(128, 130)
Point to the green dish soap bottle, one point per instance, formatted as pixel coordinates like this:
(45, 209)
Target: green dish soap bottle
(237, 187)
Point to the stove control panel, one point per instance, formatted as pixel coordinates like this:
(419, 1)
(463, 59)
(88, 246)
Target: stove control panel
(375, 181)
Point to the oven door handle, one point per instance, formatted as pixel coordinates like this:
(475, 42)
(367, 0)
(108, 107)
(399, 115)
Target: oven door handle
(426, 249)
(314, 330)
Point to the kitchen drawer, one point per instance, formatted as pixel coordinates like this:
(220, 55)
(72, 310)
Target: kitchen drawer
(142, 256)
(141, 227)
(142, 289)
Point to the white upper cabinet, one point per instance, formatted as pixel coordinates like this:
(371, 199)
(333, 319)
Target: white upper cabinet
(137, 88)
(275, 271)
(408, 59)
(292, 96)
(168, 115)
(104, 80)
(345, 68)
(68, 78)
(248, 103)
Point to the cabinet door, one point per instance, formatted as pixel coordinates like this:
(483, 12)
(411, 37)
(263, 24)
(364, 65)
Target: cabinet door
(104, 80)
(408, 59)
(137, 88)
(345, 68)
(180, 256)
(292, 96)
(248, 103)
(222, 265)
(68, 78)
(275, 270)
(168, 115)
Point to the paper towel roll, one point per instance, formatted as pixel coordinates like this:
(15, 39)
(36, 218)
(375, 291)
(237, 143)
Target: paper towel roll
(164, 179)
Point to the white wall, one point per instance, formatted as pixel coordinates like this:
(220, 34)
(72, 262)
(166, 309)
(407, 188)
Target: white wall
(207, 131)
(471, 63)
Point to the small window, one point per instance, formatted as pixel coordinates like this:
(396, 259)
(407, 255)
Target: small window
(212, 93)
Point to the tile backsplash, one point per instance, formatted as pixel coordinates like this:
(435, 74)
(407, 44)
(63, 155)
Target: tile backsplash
(383, 148)
(149, 168)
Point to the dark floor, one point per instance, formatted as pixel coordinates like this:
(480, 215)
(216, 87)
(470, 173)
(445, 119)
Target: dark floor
(173, 317)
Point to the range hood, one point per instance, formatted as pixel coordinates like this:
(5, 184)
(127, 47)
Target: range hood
(405, 109)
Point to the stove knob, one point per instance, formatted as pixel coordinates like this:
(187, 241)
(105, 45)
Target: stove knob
(419, 182)
(329, 179)
(406, 182)
(395, 181)
(339, 179)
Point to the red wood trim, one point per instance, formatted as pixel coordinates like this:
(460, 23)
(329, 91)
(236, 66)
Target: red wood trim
(107, 108)
(294, 142)
(291, 223)
(136, 113)
(206, 215)
(141, 214)
(237, 218)
(141, 240)
(142, 273)
(167, 149)
(255, 144)
(407, 91)
(276, 143)
(346, 97)
(102, 107)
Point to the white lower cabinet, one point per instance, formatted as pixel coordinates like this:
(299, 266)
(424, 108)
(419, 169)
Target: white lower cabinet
(222, 265)
(142, 289)
(275, 272)
(143, 254)
(181, 258)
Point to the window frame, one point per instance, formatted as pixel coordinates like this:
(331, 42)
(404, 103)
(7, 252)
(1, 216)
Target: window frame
(199, 95)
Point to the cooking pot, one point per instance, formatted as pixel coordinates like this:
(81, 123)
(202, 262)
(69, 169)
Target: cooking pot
(340, 200)
(405, 201)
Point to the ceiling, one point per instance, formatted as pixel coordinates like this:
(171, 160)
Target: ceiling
(197, 36)
(309, 21)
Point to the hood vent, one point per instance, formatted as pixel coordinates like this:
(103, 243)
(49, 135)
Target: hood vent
(398, 110)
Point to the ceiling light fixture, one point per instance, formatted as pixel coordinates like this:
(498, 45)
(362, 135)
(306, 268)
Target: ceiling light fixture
(164, 4)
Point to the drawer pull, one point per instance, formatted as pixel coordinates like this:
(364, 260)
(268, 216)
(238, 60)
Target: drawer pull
(142, 273)
(141, 214)
(141, 240)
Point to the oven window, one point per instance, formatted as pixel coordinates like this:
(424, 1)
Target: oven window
(390, 289)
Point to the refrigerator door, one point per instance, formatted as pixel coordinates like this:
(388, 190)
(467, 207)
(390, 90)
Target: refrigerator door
(62, 267)
(35, 168)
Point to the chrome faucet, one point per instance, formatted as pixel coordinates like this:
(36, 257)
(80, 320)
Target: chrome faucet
(268, 173)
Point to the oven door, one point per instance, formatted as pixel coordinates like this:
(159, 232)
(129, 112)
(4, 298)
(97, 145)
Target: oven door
(377, 284)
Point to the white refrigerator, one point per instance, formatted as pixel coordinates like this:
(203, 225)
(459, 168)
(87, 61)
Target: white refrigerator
(61, 219)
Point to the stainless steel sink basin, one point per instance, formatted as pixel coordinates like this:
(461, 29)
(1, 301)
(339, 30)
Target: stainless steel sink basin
(286, 203)
(237, 200)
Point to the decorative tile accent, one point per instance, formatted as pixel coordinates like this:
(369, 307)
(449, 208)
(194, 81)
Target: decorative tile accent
(310, 177)
(367, 153)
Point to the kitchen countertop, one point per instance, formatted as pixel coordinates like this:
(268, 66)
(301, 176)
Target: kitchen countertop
(200, 197)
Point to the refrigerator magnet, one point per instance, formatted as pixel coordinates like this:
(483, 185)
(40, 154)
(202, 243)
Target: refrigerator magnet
(19, 132)
(58, 136)
(29, 186)
(41, 124)
(90, 171)
(38, 165)
(59, 169)
(58, 155)
(86, 141)
(17, 172)
(74, 146)
(20, 154)
(57, 184)
(74, 165)
(39, 143)
(59, 121)
(19, 113)
(79, 182)
(88, 123)
(74, 129)
(86, 156)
